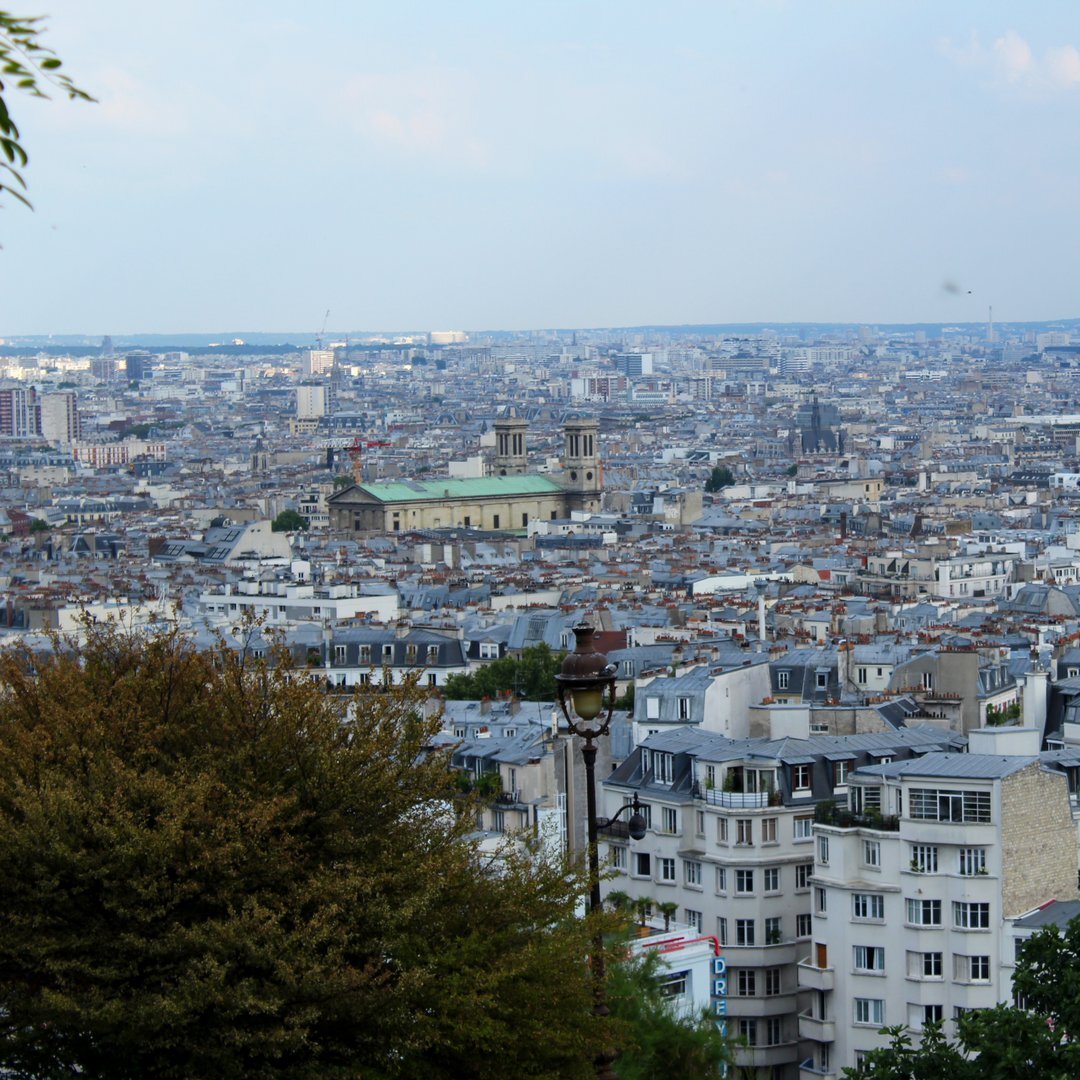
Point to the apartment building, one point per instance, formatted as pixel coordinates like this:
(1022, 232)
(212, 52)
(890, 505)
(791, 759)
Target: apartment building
(917, 879)
(731, 846)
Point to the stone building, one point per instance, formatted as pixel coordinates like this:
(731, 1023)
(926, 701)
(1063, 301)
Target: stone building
(508, 500)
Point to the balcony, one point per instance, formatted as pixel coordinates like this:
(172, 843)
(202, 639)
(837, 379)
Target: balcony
(809, 1071)
(816, 978)
(827, 813)
(737, 800)
(811, 1027)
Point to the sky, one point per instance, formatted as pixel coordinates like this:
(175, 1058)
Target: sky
(422, 164)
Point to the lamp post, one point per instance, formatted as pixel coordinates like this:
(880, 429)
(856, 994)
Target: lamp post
(585, 677)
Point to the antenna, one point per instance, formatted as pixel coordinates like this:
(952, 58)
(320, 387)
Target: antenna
(990, 324)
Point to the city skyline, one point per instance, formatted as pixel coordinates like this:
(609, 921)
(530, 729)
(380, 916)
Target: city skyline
(564, 166)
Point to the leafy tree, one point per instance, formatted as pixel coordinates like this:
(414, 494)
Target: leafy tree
(29, 66)
(721, 477)
(39, 525)
(343, 480)
(532, 677)
(661, 1041)
(289, 521)
(1003, 1043)
(209, 870)
(792, 470)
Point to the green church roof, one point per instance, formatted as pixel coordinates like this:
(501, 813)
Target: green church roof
(488, 487)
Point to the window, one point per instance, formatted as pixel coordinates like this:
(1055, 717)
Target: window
(721, 930)
(494, 521)
(871, 854)
(768, 830)
(802, 925)
(721, 879)
(932, 804)
(861, 676)
(721, 830)
(524, 520)
(800, 777)
(804, 828)
(744, 882)
(642, 864)
(669, 820)
(924, 858)
(870, 1011)
(774, 930)
(744, 831)
(489, 650)
(867, 905)
(928, 680)
(923, 912)
(869, 958)
(823, 849)
(387, 653)
(410, 653)
(645, 810)
(772, 981)
(710, 776)
(744, 931)
(433, 654)
(674, 985)
(924, 965)
(972, 861)
(822, 679)
(783, 679)
(748, 1030)
(772, 879)
(932, 1014)
(968, 916)
(652, 708)
(683, 708)
(819, 900)
(618, 857)
(339, 654)
(773, 1031)
(365, 654)
(692, 872)
(665, 869)
(971, 968)
(803, 872)
(699, 828)
(663, 767)
(746, 982)
(840, 771)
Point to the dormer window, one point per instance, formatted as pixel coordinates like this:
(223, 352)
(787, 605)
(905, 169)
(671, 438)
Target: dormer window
(663, 767)
(782, 679)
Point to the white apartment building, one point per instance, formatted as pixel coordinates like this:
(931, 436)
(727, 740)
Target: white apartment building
(730, 844)
(60, 418)
(916, 882)
(282, 602)
(311, 401)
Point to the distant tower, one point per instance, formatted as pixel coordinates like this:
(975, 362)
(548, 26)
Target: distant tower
(260, 460)
(510, 457)
(581, 465)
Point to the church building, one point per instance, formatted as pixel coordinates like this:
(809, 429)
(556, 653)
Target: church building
(508, 499)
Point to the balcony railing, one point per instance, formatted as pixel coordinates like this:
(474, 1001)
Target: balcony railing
(737, 800)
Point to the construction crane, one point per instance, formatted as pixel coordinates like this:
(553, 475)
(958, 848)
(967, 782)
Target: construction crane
(356, 454)
(319, 336)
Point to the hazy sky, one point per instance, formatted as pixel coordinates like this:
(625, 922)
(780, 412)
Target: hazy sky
(532, 164)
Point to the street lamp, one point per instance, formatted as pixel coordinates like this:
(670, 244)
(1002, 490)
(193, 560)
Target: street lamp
(585, 677)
